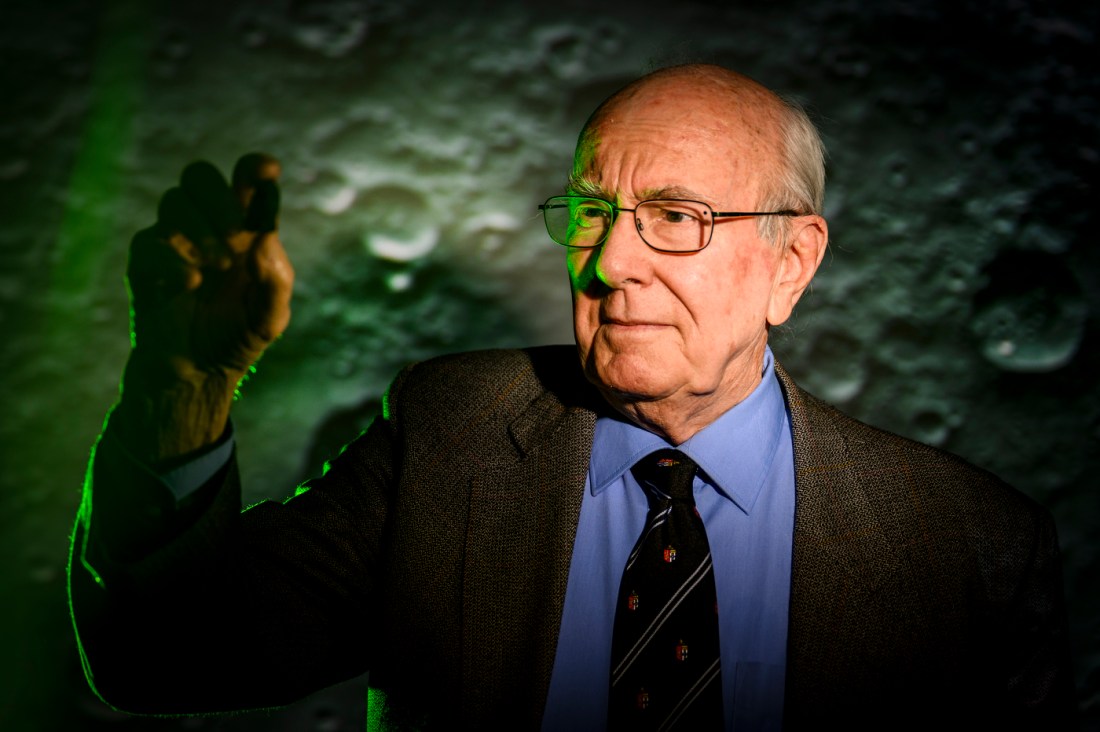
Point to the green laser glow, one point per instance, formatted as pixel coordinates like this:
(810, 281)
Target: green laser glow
(89, 225)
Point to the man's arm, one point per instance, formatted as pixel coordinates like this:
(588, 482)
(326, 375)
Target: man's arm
(210, 288)
(218, 610)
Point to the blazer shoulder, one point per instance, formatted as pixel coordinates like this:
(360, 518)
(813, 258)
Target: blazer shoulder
(490, 387)
(827, 441)
(495, 374)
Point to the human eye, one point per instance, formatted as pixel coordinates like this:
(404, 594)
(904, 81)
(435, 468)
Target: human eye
(675, 213)
(590, 213)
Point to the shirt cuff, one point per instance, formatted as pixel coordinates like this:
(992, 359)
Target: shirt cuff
(185, 479)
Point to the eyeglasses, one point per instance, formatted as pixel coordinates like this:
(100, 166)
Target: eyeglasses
(667, 225)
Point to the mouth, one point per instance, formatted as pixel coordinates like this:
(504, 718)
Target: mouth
(613, 318)
(630, 325)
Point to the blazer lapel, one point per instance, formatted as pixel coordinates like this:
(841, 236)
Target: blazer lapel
(524, 510)
(842, 556)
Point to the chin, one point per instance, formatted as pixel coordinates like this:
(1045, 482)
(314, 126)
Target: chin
(630, 380)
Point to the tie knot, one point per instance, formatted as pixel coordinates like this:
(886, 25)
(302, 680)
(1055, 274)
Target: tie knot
(668, 473)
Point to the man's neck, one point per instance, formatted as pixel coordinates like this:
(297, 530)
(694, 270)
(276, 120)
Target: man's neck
(678, 417)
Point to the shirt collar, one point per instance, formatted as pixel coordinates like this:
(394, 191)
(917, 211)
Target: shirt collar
(734, 452)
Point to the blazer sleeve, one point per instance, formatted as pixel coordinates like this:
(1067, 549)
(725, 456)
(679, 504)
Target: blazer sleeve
(271, 603)
(1039, 674)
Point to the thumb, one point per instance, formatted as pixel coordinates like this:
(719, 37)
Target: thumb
(272, 283)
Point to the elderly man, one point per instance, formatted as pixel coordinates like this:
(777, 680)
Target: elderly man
(657, 529)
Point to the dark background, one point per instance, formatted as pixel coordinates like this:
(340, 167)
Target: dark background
(958, 305)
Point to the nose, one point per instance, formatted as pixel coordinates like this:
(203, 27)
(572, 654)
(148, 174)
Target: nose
(624, 258)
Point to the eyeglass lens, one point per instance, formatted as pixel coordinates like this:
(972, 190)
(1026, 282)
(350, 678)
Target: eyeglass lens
(673, 226)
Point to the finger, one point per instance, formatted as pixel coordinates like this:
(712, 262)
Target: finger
(160, 269)
(186, 250)
(273, 282)
(211, 196)
(177, 214)
(250, 170)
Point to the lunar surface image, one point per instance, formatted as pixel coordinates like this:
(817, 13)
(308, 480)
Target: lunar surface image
(957, 305)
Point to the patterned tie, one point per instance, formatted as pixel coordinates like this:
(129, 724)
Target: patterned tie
(665, 671)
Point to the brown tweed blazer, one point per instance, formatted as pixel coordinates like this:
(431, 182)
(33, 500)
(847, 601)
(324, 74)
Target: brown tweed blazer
(435, 552)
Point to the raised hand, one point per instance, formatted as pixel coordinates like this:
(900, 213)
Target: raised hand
(210, 289)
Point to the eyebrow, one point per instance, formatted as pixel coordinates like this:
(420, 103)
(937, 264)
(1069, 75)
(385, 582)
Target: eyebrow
(582, 185)
(676, 192)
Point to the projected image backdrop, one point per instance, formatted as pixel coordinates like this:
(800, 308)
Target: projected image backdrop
(957, 306)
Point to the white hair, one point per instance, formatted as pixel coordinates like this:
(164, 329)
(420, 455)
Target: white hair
(799, 182)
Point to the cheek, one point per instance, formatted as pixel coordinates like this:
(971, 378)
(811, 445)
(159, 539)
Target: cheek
(577, 265)
(585, 307)
(732, 299)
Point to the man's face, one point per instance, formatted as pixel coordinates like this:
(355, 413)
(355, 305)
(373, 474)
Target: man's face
(665, 328)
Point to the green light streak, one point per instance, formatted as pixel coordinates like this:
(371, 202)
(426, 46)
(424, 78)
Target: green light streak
(89, 225)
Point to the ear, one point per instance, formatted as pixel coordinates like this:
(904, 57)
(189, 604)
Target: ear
(797, 266)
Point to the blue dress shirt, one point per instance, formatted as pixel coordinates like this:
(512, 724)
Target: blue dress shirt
(745, 494)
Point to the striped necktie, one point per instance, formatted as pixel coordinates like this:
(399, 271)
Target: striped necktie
(665, 669)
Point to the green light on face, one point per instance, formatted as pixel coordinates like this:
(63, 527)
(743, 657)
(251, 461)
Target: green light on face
(376, 704)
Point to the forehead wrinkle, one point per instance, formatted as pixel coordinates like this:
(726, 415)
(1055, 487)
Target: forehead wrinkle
(745, 166)
(587, 182)
(726, 107)
(583, 185)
